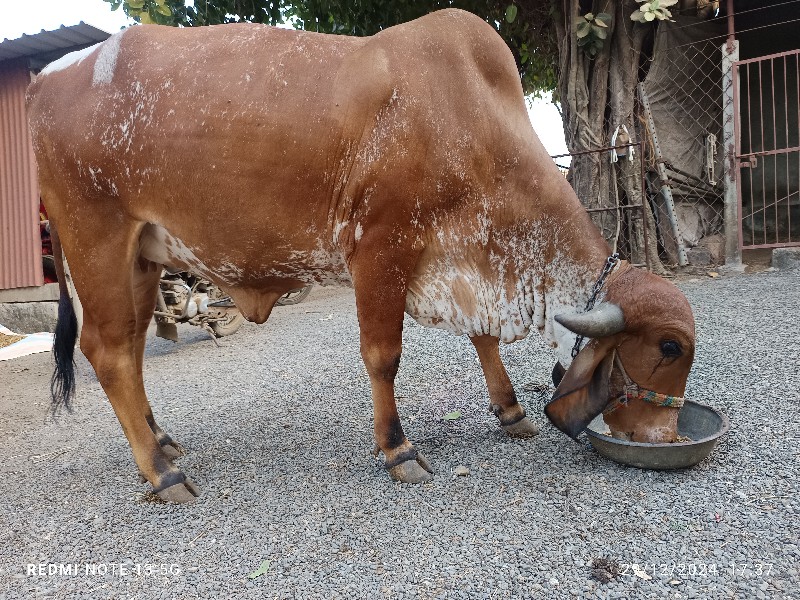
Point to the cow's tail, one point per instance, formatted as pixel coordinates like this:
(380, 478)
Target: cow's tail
(62, 384)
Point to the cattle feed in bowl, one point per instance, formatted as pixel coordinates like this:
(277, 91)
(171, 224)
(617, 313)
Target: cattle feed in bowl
(700, 426)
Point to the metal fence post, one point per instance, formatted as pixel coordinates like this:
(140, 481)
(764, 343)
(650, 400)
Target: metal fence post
(733, 255)
(666, 191)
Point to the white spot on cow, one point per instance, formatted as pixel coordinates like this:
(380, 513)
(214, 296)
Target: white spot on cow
(142, 103)
(107, 59)
(73, 58)
(337, 230)
(359, 231)
(229, 271)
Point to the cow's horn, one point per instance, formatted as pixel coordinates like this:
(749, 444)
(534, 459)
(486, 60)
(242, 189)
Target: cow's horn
(603, 320)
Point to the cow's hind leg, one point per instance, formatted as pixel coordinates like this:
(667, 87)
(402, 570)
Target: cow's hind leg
(380, 283)
(145, 292)
(112, 282)
(502, 399)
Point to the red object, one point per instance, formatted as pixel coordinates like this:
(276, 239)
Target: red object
(47, 246)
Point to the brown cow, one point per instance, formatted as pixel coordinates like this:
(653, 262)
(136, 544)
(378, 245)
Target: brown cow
(403, 164)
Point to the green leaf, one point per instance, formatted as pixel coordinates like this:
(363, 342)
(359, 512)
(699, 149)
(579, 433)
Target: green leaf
(583, 29)
(637, 15)
(452, 416)
(599, 32)
(260, 570)
(649, 16)
(589, 17)
(164, 10)
(511, 13)
(603, 20)
(135, 4)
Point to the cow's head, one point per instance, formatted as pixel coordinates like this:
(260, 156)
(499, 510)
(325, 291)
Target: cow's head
(643, 330)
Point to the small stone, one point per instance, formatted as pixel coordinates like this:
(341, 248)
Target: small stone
(786, 259)
(553, 581)
(461, 471)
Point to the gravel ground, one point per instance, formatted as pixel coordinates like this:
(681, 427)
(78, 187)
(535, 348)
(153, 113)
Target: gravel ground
(277, 424)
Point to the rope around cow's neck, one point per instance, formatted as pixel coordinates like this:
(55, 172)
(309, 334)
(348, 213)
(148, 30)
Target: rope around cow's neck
(634, 392)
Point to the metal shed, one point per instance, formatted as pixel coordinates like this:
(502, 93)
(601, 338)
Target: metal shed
(21, 277)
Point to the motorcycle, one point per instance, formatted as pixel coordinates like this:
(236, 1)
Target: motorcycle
(187, 298)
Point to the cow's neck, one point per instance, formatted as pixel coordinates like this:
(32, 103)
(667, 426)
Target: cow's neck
(566, 281)
(477, 281)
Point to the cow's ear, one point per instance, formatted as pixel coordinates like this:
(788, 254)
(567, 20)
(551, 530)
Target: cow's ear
(583, 391)
(558, 374)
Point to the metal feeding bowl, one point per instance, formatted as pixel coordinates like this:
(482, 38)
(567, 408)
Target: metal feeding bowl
(702, 424)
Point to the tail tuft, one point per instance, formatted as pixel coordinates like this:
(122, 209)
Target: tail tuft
(62, 384)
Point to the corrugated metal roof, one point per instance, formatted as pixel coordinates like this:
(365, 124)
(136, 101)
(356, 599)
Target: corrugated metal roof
(50, 45)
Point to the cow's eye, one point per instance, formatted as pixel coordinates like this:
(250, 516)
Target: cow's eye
(671, 349)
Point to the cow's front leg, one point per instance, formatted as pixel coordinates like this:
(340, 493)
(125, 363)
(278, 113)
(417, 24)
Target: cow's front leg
(502, 399)
(380, 285)
(403, 461)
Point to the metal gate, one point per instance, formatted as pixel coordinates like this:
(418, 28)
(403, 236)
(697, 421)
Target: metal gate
(767, 106)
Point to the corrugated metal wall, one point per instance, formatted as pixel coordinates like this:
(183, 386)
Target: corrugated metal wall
(20, 243)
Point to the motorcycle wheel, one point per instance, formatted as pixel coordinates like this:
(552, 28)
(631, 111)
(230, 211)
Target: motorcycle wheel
(229, 325)
(232, 320)
(294, 296)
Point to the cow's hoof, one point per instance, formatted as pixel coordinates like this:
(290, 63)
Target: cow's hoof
(180, 493)
(524, 428)
(412, 471)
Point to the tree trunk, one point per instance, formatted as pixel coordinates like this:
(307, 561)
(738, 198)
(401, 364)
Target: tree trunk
(598, 95)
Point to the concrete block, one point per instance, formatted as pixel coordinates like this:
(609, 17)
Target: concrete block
(44, 293)
(786, 259)
(29, 317)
